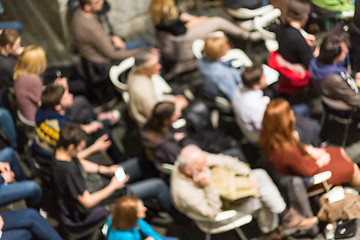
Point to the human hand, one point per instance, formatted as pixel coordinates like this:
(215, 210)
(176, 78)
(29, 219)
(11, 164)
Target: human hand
(1, 223)
(118, 42)
(149, 238)
(116, 184)
(110, 170)
(179, 136)
(102, 143)
(357, 78)
(5, 167)
(180, 102)
(321, 156)
(92, 127)
(62, 82)
(8, 176)
(202, 179)
(310, 39)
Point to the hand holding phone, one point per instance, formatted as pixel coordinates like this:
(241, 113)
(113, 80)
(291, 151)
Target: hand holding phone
(120, 174)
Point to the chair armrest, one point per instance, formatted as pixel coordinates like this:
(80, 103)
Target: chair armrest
(225, 215)
(321, 177)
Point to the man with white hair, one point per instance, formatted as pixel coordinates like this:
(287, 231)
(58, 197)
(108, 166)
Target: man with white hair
(194, 193)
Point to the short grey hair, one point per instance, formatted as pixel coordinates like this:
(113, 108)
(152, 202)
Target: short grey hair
(183, 162)
(142, 56)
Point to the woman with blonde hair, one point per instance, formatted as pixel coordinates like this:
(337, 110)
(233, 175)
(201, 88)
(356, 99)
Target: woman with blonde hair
(288, 155)
(27, 82)
(169, 19)
(128, 221)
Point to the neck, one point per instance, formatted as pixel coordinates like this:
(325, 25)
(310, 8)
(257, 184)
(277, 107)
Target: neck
(62, 155)
(295, 24)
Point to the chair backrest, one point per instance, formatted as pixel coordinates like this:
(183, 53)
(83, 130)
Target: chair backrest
(245, 13)
(115, 74)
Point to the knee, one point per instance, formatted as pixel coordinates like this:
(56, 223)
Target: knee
(7, 155)
(160, 185)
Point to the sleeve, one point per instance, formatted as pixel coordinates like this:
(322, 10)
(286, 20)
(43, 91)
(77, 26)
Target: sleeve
(300, 165)
(304, 51)
(227, 162)
(147, 230)
(344, 91)
(75, 183)
(103, 43)
(227, 82)
(37, 88)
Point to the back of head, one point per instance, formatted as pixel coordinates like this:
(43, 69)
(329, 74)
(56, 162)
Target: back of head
(277, 125)
(251, 75)
(214, 47)
(125, 213)
(298, 10)
(71, 134)
(8, 36)
(163, 11)
(330, 48)
(162, 112)
(51, 96)
(142, 56)
(32, 61)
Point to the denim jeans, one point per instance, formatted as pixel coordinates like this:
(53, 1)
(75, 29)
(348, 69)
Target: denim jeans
(8, 127)
(147, 188)
(136, 44)
(23, 189)
(26, 224)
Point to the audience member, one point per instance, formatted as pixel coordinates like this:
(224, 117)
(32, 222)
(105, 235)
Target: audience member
(337, 88)
(194, 193)
(50, 117)
(170, 21)
(249, 104)
(11, 191)
(220, 78)
(26, 224)
(127, 221)
(144, 93)
(71, 168)
(10, 49)
(91, 40)
(295, 47)
(7, 127)
(289, 156)
(164, 143)
(27, 82)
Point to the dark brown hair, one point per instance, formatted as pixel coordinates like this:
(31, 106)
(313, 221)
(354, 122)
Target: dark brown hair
(297, 10)
(252, 75)
(71, 134)
(8, 36)
(51, 96)
(125, 213)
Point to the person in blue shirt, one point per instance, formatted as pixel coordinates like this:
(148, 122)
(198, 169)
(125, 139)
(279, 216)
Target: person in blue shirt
(220, 78)
(127, 221)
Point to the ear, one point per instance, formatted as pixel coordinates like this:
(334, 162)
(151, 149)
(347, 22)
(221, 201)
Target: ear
(58, 108)
(71, 147)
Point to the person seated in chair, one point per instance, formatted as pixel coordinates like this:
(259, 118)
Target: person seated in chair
(71, 169)
(194, 193)
(51, 116)
(220, 78)
(22, 188)
(93, 42)
(144, 94)
(249, 104)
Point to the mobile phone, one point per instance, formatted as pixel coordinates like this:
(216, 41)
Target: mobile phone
(120, 174)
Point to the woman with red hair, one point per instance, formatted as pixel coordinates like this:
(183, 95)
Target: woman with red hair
(288, 155)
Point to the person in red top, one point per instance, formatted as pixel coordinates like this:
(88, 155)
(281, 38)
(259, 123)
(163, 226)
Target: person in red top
(288, 155)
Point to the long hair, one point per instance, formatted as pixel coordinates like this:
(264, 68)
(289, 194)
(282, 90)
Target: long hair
(277, 128)
(156, 128)
(32, 61)
(163, 11)
(125, 213)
